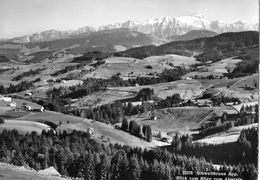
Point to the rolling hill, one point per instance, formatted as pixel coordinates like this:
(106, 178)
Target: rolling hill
(210, 48)
(194, 34)
(110, 40)
(102, 40)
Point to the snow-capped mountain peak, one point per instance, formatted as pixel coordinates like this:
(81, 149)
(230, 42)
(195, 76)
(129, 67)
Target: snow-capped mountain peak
(159, 28)
(198, 15)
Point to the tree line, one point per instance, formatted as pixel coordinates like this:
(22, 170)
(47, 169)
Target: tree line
(78, 155)
(109, 113)
(28, 73)
(243, 152)
(135, 129)
(114, 112)
(22, 86)
(68, 69)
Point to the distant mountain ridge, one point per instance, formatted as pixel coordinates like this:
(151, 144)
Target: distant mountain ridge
(104, 40)
(158, 28)
(194, 34)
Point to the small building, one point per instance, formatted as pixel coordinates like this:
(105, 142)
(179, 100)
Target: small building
(188, 78)
(28, 94)
(41, 109)
(5, 99)
(12, 104)
(137, 85)
(229, 103)
(27, 108)
(90, 131)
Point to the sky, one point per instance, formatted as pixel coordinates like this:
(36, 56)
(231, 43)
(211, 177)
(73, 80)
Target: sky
(21, 17)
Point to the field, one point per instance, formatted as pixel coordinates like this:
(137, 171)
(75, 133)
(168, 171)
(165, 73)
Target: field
(175, 60)
(127, 67)
(50, 116)
(239, 89)
(55, 55)
(186, 88)
(227, 137)
(10, 172)
(179, 119)
(20, 102)
(45, 75)
(28, 122)
(108, 133)
(104, 97)
(216, 68)
(169, 121)
(132, 67)
(24, 126)
(236, 87)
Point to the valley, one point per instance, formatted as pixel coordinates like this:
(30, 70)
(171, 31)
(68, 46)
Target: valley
(116, 88)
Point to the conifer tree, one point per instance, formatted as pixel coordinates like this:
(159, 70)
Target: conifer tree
(134, 168)
(103, 168)
(124, 124)
(89, 169)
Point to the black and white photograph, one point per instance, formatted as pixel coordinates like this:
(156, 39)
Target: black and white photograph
(129, 89)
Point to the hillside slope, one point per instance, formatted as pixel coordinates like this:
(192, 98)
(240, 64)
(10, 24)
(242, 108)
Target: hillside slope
(211, 48)
(10, 172)
(102, 40)
(194, 34)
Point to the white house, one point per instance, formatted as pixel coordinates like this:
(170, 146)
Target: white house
(28, 94)
(28, 108)
(42, 109)
(12, 104)
(6, 99)
(229, 103)
(90, 131)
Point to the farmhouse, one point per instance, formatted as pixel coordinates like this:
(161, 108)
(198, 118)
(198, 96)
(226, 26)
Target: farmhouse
(39, 109)
(12, 104)
(187, 78)
(230, 103)
(90, 131)
(138, 103)
(28, 94)
(27, 108)
(5, 99)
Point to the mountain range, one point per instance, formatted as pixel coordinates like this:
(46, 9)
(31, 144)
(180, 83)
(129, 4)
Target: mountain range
(161, 29)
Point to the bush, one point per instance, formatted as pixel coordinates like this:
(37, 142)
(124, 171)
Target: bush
(149, 67)
(124, 126)
(145, 94)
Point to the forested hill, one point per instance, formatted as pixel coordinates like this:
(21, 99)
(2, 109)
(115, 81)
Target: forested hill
(211, 48)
